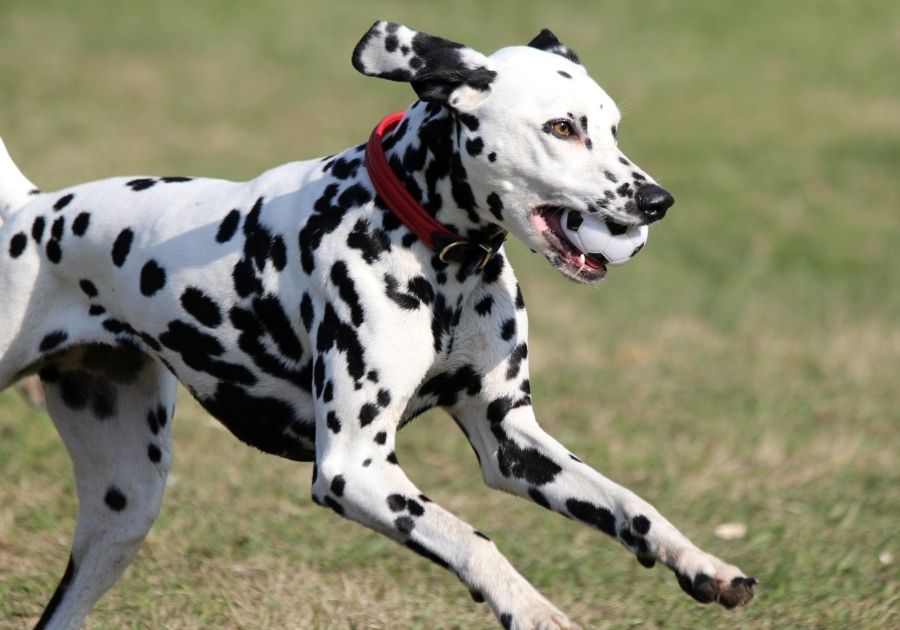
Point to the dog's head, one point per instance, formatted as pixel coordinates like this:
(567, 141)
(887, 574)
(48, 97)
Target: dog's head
(538, 135)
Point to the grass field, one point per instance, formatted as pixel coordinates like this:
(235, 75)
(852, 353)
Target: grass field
(746, 367)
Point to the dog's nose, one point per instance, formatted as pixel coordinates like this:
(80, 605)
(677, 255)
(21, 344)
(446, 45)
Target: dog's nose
(653, 201)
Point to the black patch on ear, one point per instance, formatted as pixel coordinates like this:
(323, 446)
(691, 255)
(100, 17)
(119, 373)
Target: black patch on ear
(546, 40)
(444, 69)
(434, 65)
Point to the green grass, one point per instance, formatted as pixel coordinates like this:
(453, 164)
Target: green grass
(744, 368)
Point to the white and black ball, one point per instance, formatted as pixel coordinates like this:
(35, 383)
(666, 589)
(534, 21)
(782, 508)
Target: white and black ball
(610, 243)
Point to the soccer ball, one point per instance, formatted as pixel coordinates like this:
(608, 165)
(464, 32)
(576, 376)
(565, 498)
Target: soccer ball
(609, 243)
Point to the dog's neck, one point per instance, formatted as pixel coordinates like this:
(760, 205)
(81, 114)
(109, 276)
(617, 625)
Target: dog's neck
(423, 150)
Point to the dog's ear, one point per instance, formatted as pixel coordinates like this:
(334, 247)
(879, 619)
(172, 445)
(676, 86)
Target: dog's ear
(440, 71)
(546, 40)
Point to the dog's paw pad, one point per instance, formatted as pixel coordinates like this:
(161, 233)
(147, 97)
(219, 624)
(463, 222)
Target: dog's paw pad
(738, 593)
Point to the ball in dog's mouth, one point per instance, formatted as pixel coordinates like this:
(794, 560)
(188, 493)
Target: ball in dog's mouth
(565, 256)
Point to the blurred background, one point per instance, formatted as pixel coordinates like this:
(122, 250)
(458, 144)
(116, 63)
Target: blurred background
(742, 371)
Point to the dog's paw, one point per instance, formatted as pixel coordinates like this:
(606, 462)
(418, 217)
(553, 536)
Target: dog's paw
(543, 619)
(707, 579)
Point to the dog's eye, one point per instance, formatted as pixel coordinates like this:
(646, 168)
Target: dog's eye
(560, 128)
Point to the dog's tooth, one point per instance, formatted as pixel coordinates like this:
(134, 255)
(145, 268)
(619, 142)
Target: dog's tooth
(581, 259)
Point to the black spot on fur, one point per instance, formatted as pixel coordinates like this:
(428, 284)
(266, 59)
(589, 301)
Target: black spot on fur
(347, 290)
(471, 122)
(306, 312)
(519, 354)
(53, 340)
(81, 223)
(524, 462)
(396, 502)
(140, 184)
(344, 168)
(122, 246)
(380, 437)
(484, 305)
(448, 386)
(702, 587)
(493, 269)
(96, 310)
(58, 228)
(116, 326)
(17, 244)
(474, 146)
(37, 229)
(405, 524)
(153, 278)
(372, 243)
(267, 423)
(54, 251)
(563, 73)
(495, 205)
(337, 485)
(334, 332)
(587, 512)
(538, 497)
(88, 288)
(641, 524)
(520, 299)
(367, 413)
(153, 453)
(333, 422)
(427, 553)
(201, 306)
(228, 227)
(115, 500)
(419, 291)
(324, 220)
(197, 350)
(508, 329)
(153, 421)
(177, 179)
(63, 201)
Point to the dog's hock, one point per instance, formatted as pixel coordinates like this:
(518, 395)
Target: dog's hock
(439, 70)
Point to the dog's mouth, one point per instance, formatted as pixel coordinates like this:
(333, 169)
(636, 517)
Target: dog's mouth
(562, 254)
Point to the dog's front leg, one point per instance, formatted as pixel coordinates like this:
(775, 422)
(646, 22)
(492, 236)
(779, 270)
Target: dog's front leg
(358, 476)
(517, 456)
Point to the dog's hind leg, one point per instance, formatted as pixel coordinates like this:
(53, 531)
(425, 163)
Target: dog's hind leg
(112, 406)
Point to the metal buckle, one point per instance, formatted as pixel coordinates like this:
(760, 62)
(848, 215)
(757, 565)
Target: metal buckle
(447, 248)
(489, 250)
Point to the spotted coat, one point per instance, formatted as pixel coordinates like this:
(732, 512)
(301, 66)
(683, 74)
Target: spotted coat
(302, 313)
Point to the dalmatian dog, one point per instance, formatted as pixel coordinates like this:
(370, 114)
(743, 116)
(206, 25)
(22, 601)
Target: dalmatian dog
(302, 312)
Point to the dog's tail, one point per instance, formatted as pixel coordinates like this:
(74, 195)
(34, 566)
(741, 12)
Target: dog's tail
(15, 189)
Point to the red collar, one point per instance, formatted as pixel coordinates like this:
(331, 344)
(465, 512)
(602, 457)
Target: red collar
(450, 247)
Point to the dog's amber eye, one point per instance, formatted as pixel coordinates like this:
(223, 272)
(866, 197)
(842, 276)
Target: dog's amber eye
(562, 129)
